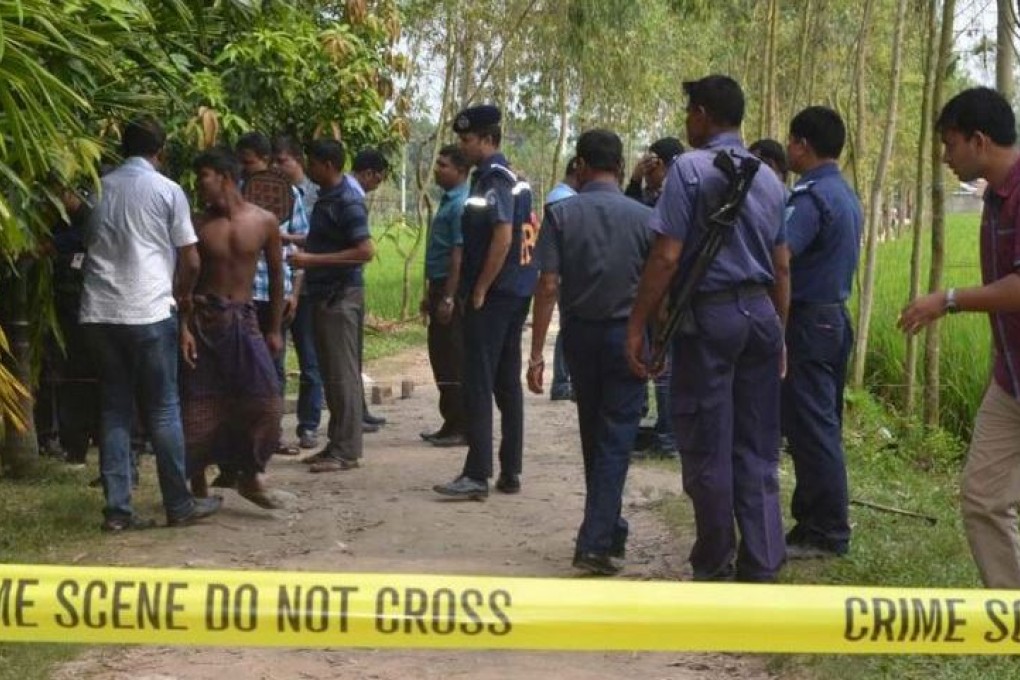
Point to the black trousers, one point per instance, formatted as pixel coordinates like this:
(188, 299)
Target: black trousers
(446, 352)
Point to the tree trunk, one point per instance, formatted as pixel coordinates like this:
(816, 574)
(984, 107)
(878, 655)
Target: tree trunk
(860, 146)
(919, 213)
(771, 101)
(1004, 57)
(875, 222)
(561, 137)
(805, 25)
(870, 226)
(938, 222)
(20, 451)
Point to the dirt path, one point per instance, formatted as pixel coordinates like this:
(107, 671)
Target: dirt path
(385, 518)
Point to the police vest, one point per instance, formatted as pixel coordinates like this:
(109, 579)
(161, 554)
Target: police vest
(519, 275)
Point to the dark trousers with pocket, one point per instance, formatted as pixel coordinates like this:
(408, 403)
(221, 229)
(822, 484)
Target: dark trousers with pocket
(819, 339)
(726, 385)
(609, 400)
(492, 368)
(446, 352)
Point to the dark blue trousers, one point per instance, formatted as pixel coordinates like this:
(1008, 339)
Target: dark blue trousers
(561, 374)
(492, 368)
(819, 339)
(310, 397)
(726, 387)
(609, 399)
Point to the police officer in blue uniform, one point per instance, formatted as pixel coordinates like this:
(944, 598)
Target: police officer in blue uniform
(498, 278)
(728, 366)
(824, 233)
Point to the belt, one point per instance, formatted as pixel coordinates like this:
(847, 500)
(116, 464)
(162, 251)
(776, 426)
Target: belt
(745, 291)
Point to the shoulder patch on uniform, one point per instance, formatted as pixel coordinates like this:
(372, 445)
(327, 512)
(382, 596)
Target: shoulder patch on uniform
(803, 187)
(490, 197)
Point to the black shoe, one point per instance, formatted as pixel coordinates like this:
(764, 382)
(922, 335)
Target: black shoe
(448, 441)
(308, 440)
(369, 428)
(596, 564)
(115, 525)
(561, 393)
(810, 551)
(508, 484)
(428, 436)
(368, 419)
(204, 507)
(464, 488)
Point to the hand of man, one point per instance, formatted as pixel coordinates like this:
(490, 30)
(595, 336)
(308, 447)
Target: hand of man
(189, 350)
(290, 304)
(640, 169)
(478, 299)
(782, 363)
(922, 312)
(535, 371)
(298, 260)
(274, 341)
(444, 312)
(636, 354)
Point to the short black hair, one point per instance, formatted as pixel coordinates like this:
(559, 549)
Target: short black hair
(289, 146)
(600, 150)
(219, 159)
(328, 151)
(822, 128)
(370, 159)
(571, 168)
(720, 96)
(452, 153)
(257, 143)
(493, 132)
(142, 137)
(771, 150)
(666, 149)
(980, 109)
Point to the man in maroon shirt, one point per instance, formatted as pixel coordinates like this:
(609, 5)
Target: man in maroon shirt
(978, 132)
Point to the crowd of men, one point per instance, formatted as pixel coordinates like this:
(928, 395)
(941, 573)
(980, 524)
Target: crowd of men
(763, 340)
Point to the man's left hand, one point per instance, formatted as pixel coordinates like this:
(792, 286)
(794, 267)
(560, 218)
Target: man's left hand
(921, 312)
(535, 371)
(299, 260)
(274, 341)
(478, 299)
(290, 303)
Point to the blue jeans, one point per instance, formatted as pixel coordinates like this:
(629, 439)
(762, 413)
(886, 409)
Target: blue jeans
(143, 360)
(309, 405)
(561, 374)
(609, 399)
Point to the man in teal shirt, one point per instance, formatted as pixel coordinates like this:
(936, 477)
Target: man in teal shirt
(442, 269)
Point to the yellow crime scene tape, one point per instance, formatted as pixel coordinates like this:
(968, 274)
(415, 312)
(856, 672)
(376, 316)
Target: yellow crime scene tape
(99, 605)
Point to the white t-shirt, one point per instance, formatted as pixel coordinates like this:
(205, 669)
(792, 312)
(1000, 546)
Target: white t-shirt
(132, 239)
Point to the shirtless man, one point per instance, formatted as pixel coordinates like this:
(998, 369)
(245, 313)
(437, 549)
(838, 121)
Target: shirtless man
(230, 396)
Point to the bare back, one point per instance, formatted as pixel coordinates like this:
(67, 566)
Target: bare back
(230, 247)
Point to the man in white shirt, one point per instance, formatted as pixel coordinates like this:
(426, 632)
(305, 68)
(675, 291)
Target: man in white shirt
(140, 241)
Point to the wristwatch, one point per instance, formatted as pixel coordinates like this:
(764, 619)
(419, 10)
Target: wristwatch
(448, 300)
(951, 306)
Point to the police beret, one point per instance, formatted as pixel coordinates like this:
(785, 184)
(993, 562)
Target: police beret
(476, 118)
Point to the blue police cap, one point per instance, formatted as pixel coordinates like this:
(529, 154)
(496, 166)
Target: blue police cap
(476, 118)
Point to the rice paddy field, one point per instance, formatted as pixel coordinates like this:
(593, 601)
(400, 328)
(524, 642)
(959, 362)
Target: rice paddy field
(966, 342)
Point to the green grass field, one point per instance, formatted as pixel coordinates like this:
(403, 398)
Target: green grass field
(966, 342)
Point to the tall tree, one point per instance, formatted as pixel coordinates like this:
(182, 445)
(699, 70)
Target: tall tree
(1004, 55)
(867, 295)
(932, 339)
(920, 212)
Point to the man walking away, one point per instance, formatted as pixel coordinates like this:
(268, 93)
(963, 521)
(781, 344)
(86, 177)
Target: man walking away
(591, 250)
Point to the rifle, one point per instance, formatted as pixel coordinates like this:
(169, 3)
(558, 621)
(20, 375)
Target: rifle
(720, 224)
